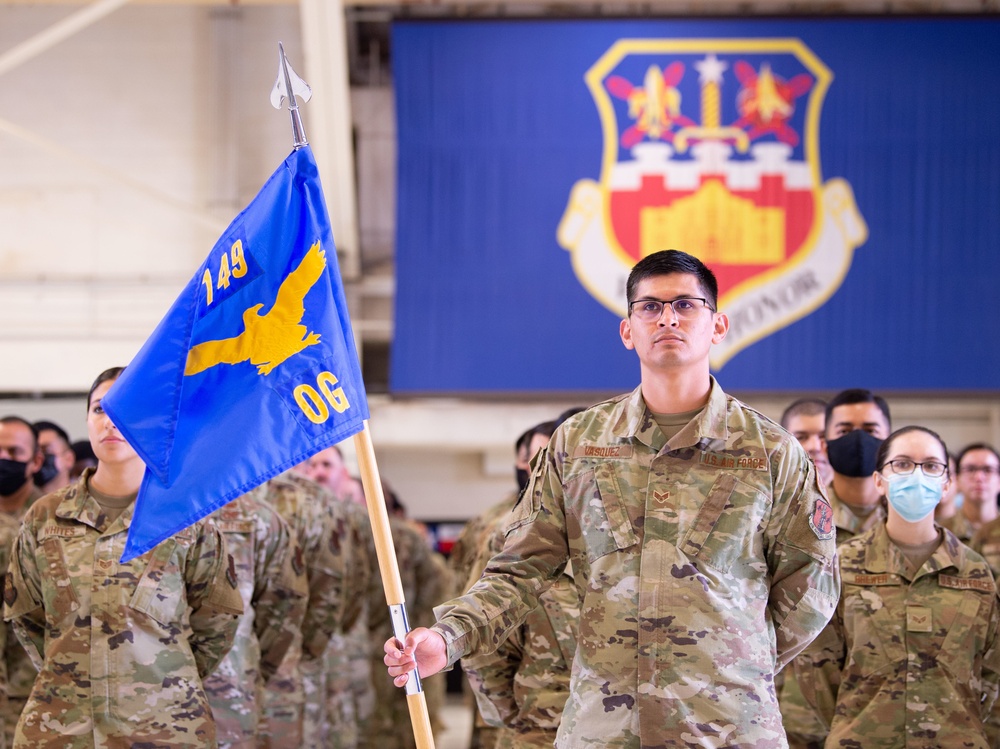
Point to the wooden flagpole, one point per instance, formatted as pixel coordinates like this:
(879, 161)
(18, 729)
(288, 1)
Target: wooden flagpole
(287, 86)
(393, 586)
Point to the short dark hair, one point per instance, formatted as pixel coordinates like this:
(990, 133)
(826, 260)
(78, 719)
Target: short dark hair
(975, 446)
(83, 450)
(858, 395)
(25, 423)
(108, 374)
(567, 414)
(51, 426)
(803, 407)
(523, 439)
(546, 428)
(886, 446)
(665, 262)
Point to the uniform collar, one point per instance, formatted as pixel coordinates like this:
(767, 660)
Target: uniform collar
(882, 555)
(709, 430)
(78, 505)
(846, 520)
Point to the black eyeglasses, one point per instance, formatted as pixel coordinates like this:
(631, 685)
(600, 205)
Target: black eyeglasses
(685, 307)
(905, 466)
(985, 470)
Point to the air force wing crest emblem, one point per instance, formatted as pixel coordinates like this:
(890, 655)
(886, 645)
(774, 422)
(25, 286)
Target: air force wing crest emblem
(712, 147)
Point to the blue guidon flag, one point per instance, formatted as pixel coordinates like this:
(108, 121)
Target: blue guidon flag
(253, 369)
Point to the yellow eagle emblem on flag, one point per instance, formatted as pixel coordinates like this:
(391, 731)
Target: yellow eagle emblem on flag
(269, 339)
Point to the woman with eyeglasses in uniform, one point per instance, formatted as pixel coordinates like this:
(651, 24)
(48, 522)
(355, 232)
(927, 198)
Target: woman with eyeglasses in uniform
(911, 656)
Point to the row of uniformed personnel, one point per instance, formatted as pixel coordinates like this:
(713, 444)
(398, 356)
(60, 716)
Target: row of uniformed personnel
(251, 628)
(699, 542)
(917, 605)
(704, 551)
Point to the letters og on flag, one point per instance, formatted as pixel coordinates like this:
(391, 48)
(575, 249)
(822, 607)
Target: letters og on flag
(712, 147)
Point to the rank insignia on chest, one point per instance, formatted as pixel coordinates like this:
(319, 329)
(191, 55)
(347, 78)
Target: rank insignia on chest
(918, 619)
(821, 519)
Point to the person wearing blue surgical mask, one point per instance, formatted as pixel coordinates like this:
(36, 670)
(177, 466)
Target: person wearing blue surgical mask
(912, 656)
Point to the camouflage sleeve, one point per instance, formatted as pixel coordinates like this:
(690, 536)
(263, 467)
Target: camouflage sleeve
(280, 591)
(818, 670)
(492, 679)
(433, 584)
(363, 580)
(491, 676)
(329, 559)
(535, 553)
(491, 544)
(213, 595)
(801, 554)
(461, 560)
(991, 662)
(23, 601)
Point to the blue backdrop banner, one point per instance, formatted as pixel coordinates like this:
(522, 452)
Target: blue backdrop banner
(840, 176)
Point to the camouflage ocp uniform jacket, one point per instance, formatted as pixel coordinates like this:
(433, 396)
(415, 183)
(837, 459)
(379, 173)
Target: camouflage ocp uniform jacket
(121, 648)
(848, 524)
(338, 571)
(464, 555)
(802, 725)
(986, 543)
(706, 563)
(21, 672)
(523, 686)
(906, 662)
(8, 532)
(272, 583)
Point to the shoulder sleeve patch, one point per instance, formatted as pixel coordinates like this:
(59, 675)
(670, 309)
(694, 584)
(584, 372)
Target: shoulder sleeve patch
(9, 591)
(821, 518)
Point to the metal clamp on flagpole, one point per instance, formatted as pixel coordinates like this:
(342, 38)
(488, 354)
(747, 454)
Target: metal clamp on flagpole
(287, 86)
(400, 626)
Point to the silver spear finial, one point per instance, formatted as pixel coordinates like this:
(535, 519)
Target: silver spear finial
(288, 86)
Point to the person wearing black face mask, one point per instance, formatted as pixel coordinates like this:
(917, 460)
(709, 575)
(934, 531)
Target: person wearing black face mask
(20, 460)
(59, 457)
(857, 421)
(465, 552)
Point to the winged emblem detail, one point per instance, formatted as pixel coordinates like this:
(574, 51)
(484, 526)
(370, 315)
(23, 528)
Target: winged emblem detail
(271, 338)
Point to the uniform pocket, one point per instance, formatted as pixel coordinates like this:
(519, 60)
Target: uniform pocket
(725, 524)
(602, 521)
(965, 641)
(154, 597)
(57, 580)
(872, 618)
